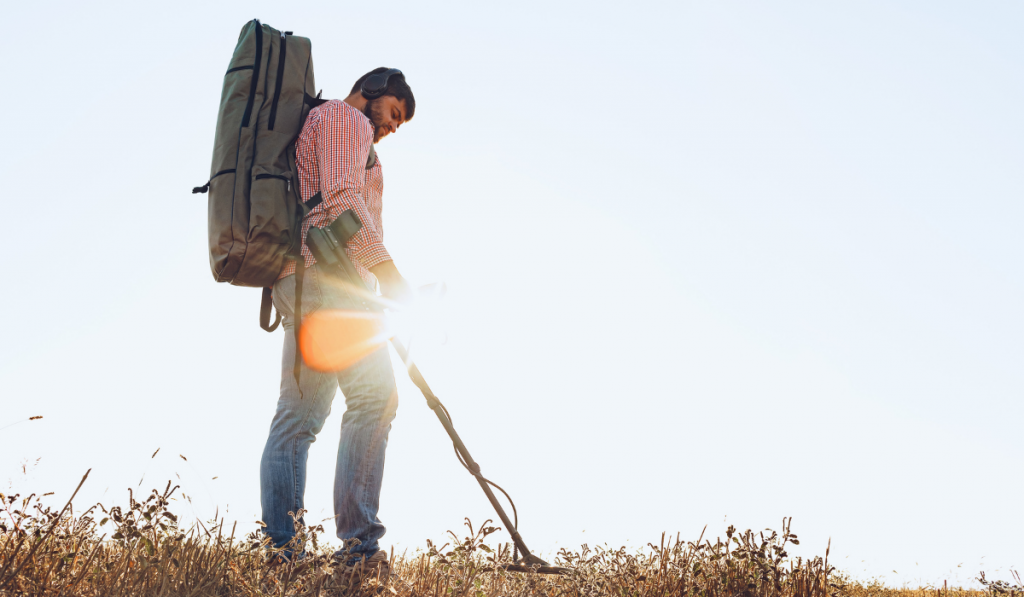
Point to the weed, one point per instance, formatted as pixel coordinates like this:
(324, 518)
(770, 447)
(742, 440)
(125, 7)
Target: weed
(51, 553)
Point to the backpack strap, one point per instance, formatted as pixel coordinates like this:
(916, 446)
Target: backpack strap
(372, 158)
(313, 101)
(265, 306)
(300, 270)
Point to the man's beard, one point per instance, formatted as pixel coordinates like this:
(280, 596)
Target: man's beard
(374, 111)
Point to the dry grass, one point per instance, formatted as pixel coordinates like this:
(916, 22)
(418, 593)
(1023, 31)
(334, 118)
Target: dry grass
(60, 553)
(850, 589)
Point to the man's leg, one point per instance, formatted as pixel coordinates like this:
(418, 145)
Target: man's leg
(371, 400)
(297, 420)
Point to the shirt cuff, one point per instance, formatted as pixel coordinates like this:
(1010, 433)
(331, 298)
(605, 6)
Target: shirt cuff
(371, 255)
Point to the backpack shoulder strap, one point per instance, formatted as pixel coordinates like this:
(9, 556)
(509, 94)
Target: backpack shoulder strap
(313, 101)
(372, 158)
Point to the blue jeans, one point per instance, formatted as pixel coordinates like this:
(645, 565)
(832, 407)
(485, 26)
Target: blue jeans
(371, 400)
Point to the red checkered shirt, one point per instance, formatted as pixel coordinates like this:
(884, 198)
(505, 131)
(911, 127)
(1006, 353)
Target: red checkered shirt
(331, 155)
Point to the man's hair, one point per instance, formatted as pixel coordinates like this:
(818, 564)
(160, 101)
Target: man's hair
(397, 87)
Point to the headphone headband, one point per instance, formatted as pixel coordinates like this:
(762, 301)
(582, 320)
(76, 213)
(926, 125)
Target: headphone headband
(375, 85)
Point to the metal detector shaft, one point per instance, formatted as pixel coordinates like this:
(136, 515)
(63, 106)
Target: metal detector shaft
(327, 245)
(435, 405)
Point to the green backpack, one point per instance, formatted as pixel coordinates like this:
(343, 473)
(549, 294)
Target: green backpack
(254, 201)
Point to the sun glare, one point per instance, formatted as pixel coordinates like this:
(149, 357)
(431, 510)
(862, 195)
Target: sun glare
(332, 340)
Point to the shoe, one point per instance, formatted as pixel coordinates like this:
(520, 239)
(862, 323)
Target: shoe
(376, 566)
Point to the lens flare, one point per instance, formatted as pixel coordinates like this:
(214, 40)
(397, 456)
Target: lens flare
(333, 340)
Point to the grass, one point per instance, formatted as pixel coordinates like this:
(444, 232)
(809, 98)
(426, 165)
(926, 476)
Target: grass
(60, 553)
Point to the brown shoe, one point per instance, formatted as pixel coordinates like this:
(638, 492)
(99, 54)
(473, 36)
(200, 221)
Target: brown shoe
(376, 566)
(378, 562)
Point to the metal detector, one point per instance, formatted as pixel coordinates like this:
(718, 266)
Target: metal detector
(328, 247)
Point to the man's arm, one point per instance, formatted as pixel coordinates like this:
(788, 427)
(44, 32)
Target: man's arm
(342, 146)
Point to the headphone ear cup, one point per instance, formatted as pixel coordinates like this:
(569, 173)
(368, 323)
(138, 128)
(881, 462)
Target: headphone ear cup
(375, 85)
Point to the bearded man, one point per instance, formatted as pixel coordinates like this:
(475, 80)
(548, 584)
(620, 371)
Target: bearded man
(336, 158)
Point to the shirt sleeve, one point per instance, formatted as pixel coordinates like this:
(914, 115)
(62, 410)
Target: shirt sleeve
(343, 147)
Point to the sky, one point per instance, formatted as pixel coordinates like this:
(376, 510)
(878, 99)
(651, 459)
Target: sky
(708, 264)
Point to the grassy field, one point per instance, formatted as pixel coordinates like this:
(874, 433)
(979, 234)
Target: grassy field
(146, 553)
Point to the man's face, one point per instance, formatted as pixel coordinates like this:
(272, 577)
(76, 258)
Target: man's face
(386, 113)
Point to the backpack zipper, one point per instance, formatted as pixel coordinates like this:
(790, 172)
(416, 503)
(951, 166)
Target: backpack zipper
(255, 73)
(277, 176)
(277, 86)
(206, 187)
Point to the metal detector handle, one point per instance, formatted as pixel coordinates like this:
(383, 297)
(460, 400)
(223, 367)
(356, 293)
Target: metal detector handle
(327, 244)
(346, 226)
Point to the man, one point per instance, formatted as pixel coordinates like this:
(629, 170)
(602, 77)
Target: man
(332, 157)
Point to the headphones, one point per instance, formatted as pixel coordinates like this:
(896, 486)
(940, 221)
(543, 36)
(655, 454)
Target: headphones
(375, 85)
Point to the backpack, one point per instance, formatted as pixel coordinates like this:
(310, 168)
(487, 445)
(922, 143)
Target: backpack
(254, 202)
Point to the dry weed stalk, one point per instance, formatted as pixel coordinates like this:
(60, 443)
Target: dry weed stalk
(60, 554)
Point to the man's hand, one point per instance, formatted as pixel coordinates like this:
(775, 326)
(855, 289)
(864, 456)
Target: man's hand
(392, 284)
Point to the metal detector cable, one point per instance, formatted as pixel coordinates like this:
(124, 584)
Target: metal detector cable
(417, 378)
(515, 514)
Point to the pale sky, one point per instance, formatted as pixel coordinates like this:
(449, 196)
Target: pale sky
(708, 263)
